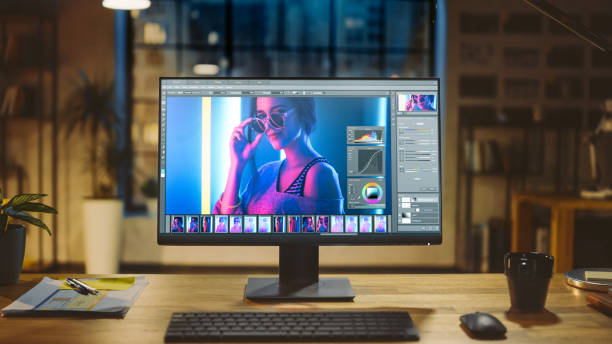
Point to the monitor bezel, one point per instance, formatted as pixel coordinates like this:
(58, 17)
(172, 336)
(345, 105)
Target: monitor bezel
(319, 239)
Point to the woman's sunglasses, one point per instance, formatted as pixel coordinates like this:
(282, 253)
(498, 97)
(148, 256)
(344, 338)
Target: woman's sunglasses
(275, 121)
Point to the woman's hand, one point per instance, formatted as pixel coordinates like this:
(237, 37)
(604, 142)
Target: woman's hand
(241, 150)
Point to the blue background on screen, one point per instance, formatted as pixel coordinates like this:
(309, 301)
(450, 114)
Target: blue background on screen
(183, 155)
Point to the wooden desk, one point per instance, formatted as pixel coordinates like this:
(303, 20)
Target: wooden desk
(435, 303)
(562, 216)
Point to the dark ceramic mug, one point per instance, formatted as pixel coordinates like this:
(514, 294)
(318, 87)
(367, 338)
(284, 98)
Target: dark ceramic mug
(528, 275)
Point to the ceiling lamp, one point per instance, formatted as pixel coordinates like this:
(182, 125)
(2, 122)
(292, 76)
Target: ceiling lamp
(127, 4)
(205, 69)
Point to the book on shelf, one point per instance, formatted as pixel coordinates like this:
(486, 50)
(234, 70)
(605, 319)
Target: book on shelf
(491, 243)
(18, 101)
(499, 243)
(485, 233)
(542, 239)
(482, 156)
(21, 49)
(13, 101)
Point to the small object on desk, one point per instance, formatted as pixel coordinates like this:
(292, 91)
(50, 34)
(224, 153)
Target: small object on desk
(601, 301)
(578, 278)
(55, 298)
(483, 325)
(598, 276)
(81, 287)
(528, 275)
(291, 327)
(106, 283)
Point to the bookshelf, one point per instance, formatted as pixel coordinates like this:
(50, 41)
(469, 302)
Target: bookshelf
(28, 111)
(533, 87)
(516, 167)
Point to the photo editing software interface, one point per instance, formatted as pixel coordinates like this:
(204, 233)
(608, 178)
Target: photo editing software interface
(227, 147)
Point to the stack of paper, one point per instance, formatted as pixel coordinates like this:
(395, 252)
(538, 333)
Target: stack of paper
(53, 298)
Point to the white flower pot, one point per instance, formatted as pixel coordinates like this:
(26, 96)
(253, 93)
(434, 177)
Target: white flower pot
(102, 226)
(152, 207)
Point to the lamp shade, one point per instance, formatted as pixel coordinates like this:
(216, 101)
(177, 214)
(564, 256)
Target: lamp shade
(127, 4)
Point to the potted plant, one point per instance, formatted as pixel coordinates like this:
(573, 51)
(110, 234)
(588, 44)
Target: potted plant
(12, 235)
(90, 108)
(149, 190)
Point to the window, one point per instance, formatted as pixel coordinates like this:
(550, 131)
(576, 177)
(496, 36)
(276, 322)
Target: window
(268, 38)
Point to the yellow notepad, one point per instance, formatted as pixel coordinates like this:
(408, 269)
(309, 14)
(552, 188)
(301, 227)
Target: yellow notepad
(598, 276)
(118, 283)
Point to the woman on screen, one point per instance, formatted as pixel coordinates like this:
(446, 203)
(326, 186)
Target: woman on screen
(293, 224)
(322, 224)
(351, 225)
(420, 102)
(207, 224)
(380, 224)
(365, 224)
(307, 225)
(237, 226)
(177, 224)
(338, 224)
(249, 227)
(221, 226)
(303, 183)
(194, 222)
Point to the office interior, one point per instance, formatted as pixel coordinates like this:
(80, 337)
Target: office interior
(521, 100)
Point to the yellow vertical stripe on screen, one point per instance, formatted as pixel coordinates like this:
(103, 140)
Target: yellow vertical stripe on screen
(206, 139)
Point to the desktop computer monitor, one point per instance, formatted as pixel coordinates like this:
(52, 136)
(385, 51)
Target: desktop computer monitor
(299, 163)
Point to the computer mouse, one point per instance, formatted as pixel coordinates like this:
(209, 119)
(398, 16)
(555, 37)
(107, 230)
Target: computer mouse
(483, 325)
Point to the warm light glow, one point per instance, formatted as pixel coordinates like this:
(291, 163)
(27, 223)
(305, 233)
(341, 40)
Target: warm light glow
(205, 69)
(154, 34)
(213, 38)
(127, 4)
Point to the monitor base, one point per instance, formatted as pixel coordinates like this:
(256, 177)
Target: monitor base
(326, 289)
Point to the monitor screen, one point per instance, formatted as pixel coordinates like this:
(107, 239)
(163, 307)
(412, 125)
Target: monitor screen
(322, 161)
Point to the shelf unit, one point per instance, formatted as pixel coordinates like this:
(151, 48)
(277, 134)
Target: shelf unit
(518, 77)
(514, 179)
(28, 51)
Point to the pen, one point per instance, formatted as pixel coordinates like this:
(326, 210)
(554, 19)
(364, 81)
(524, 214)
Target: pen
(80, 286)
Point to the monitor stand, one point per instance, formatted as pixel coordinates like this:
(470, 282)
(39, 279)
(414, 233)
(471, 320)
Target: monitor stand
(298, 279)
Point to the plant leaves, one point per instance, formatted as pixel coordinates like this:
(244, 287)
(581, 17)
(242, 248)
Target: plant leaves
(91, 106)
(35, 207)
(12, 212)
(3, 223)
(32, 220)
(24, 198)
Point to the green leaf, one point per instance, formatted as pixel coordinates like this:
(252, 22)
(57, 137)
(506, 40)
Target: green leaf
(10, 211)
(23, 198)
(35, 207)
(32, 220)
(1, 197)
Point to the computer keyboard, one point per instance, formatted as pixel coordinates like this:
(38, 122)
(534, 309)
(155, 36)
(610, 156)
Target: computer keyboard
(287, 326)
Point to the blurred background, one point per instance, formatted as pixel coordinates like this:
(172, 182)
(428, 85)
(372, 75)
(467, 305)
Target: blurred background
(521, 100)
